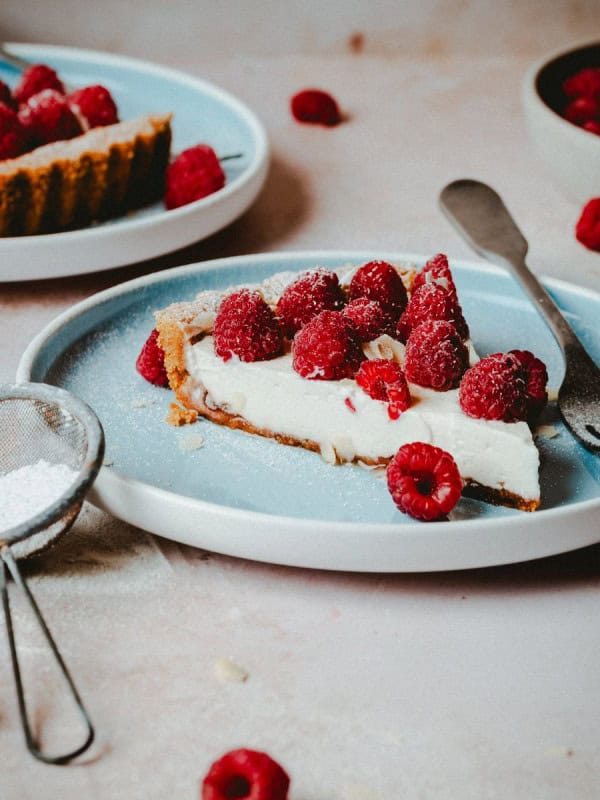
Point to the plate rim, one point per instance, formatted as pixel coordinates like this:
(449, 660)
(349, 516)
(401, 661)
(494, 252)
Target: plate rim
(251, 180)
(251, 517)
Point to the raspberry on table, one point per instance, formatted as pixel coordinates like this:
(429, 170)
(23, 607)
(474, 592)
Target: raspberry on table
(435, 356)
(246, 327)
(248, 774)
(195, 173)
(536, 383)
(34, 80)
(495, 388)
(368, 318)
(424, 481)
(151, 361)
(585, 83)
(436, 270)
(312, 292)
(327, 348)
(379, 281)
(315, 106)
(383, 379)
(6, 96)
(431, 301)
(587, 230)
(13, 136)
(94, 106)
(46, 117)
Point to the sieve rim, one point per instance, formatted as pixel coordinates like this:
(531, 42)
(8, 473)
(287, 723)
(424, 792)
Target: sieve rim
(86, 474)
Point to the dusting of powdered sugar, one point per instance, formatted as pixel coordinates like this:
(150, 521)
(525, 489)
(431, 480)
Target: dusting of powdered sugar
(28, 490)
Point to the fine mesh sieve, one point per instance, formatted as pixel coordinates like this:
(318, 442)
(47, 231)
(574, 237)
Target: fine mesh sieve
(42, 424)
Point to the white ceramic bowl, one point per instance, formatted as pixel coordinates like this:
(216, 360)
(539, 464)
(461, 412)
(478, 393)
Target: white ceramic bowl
(571, 154)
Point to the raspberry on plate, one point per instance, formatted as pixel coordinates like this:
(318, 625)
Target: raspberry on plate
(246, 327)
(6, 96)
(428, 302)
(435, 357)
(368, 318)
(379, 281)
(151, 361)
(583, 109)
(592, 126)
(495, 388)
(424, 481)
(47, 118)
(195, 173)
(436, 270)
(313, 292)
(536, 383)
(585, 83)
(94, 106)
(315, 106)
(383, 379)
(34, 80)
(13, 136)
(327, 348)
(587, 230)
(246, 774)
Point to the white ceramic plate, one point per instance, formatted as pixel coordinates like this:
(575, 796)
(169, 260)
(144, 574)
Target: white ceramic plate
(202, 113)
(251, 497)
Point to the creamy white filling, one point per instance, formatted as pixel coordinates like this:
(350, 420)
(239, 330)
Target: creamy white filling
(347, 423)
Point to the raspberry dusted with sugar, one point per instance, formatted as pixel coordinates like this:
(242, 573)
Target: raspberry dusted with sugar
(368, 318)
(379, 281)
(327, 348)
(315, 106)
(311, 293)
(495, 388)
(247, 774)
(151, 361)
(195, 173)
(383, 379)
(436, 357)
(47, 118)
(94, 106)
(428, 302)
(424, 481)
(536, 383)
(585, 83)
(34, 80)
(13, 136)
(6, 96)
(587, 230)
(246, 327)
(436, 270)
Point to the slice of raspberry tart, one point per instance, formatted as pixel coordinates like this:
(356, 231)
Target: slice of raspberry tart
(355, 363)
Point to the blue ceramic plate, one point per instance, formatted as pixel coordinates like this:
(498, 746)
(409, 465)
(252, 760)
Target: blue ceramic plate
(251, 497)
(201, 113)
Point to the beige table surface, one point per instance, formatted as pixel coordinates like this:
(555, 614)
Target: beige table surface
(469, 685)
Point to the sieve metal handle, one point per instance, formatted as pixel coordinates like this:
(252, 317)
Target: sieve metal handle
(9, 564)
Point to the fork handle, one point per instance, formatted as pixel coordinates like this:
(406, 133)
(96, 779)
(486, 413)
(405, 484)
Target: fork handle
(479, 214)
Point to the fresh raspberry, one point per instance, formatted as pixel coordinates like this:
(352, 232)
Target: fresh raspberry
(435, 356)
(13, 137)
(47, 118)
(587, 229)
(368, 318)
(428, 302)
(311, 293)
(151, 361)
(585, 83)
(94, 106)
(379, 281)
(424, 481)
(247, 774)
(592, 127)
(246, 327)
(327, 348)
(315, 106)
(495, 388)
(436, 270)
(536, 383)
(34, 80)
(6, 96)
(582, 110)
(195, 173)
(383, 379)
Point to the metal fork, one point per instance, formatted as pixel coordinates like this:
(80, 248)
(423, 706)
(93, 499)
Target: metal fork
(479, 214)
